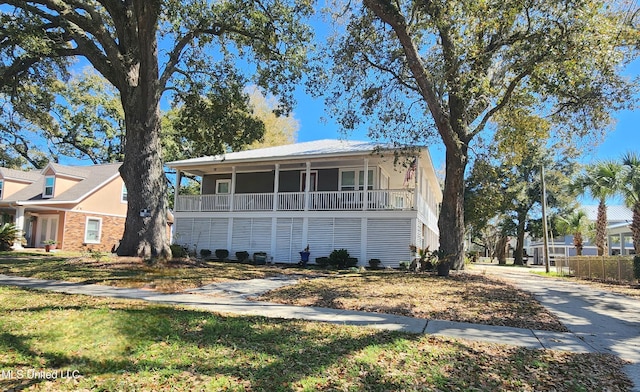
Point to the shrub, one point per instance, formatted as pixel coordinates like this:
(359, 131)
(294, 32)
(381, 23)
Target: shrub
(204, 253)
(338, 258)
(242, 256)
(375, 263)
(352, 262)
(636, 266)
(404, 265)
(8, 235)
(178, 251)
(222, 254)
(322, 261)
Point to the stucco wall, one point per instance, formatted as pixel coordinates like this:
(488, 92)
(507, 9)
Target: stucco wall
(75, 226)
(10, 187)
(105, 200)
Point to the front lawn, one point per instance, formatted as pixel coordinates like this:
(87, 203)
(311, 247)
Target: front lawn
(107, 344)
(102, 268)
(474, 298)
(463, 297)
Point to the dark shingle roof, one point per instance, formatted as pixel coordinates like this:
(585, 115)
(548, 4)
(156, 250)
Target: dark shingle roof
(91, 177)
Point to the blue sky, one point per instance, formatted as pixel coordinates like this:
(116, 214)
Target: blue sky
(624, 136)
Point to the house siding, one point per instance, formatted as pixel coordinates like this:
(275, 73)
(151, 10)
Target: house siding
(74, 230)
(260, 182)
(384, 238)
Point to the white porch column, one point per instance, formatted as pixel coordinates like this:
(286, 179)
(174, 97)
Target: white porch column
(621, 244)
(417, 196)
(276, 186)
(19, 223)
(177, 189)
(307, 186)
(365, 183)
(232, 195)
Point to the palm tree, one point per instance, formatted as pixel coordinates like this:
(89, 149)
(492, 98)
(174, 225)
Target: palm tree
(600, 180)
(630, 188)
(576, 224)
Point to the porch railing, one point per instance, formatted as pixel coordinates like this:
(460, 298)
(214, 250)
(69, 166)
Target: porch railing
(377, 200)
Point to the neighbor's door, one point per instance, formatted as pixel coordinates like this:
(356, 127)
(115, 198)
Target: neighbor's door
(47, 229)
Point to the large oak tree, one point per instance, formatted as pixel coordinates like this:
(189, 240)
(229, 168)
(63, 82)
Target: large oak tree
(413, 70)
(144, 48)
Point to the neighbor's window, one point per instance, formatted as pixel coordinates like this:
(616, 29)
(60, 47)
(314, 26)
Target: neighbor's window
(92, 230)
(123, 196)
(1, 188)
(49, 183)
(223, 187)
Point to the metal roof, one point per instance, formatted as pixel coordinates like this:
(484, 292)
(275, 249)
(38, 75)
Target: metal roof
(615, 213)
(315, 148)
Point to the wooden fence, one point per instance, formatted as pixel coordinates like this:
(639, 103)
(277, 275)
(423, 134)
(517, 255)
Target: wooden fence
(618, 268)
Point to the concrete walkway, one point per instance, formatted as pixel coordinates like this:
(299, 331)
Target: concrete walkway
(231, 297)
(606, 322)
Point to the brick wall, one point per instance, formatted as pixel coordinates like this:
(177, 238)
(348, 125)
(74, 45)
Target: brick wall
(75, 226)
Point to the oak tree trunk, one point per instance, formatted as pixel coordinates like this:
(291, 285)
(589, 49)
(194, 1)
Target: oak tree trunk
(451, 219)
(518, 257)
(142, 171)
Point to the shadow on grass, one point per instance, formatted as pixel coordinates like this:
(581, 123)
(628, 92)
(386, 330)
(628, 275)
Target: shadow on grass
(265, 354)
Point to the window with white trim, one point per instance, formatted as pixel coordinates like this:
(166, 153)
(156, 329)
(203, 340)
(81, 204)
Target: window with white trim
(123, 195)
(349, 179)
(93, 230)
(49, 185)
(223, 187)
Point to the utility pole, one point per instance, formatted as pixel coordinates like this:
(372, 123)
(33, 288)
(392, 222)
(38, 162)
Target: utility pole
(544, 220)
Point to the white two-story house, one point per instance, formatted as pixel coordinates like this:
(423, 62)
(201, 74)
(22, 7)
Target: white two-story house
(327, 194)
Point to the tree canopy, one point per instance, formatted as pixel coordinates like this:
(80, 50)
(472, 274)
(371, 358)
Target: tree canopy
(145, 48)
(412, 70)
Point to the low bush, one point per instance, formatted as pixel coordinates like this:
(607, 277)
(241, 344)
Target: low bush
(322, 261)
(375, 263)
(204, 253)
(222, 254)
(178, 251)
(8, 234)
(338, 258)
(242, 256)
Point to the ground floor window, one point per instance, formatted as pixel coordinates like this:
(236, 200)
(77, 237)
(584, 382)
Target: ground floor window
(92, 230)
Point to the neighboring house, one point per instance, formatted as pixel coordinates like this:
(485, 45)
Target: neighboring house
(79, 207)
(280, 199)
(619, 238)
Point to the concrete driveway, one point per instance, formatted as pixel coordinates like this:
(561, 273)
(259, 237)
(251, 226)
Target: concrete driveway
(610, 323)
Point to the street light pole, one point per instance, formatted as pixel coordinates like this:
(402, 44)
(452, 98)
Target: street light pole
(544, 220)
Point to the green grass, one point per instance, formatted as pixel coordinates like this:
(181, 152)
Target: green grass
(130, 345)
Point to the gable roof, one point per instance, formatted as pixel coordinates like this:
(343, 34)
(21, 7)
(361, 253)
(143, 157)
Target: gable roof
(317, 148)
(91, 178)
(20, 175)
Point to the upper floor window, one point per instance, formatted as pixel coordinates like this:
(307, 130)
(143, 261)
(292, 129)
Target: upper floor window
(1, 188)
(49, 184)
(123, 195)
(223, 187)
(349, 179)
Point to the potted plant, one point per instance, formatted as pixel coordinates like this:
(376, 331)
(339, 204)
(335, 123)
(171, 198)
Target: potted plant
(242, 256)
(260, 258)
(222, 254)
(49, 244)
(304, 256)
